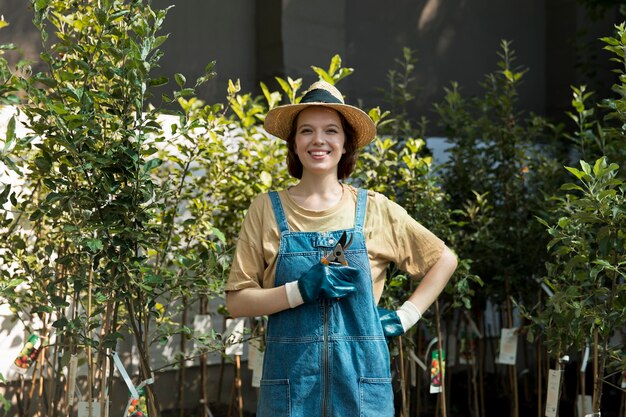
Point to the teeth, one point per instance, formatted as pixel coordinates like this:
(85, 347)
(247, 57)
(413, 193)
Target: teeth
(319, 153)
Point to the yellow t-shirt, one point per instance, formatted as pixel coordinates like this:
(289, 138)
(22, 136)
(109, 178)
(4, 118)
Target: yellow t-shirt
(391, 235)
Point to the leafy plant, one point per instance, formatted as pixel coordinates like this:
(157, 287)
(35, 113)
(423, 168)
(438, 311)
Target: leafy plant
(587, 229)
(587, 270)
(495, 175)
(100, 243)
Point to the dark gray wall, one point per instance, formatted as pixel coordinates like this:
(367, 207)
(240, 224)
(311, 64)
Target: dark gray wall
(201, 31)
(255, 40)
(453, 40)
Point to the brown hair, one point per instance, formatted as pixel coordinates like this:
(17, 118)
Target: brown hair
(347, 161)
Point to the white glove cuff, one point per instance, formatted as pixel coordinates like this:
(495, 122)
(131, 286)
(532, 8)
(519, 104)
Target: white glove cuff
(294, 298)
(408, 315)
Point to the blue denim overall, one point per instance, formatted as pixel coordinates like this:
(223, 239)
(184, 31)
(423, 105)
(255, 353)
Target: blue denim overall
(330, 357)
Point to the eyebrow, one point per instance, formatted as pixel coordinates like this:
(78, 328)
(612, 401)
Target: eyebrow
(310, 125)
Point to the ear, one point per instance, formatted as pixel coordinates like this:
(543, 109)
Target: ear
(344, 150)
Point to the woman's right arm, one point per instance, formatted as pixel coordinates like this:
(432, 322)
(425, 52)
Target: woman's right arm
(254, 302)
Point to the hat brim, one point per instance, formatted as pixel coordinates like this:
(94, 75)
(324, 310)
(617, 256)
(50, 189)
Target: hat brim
(279, 120)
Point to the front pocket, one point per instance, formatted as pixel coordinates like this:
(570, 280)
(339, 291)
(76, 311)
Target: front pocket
(274, 398)
(376, 397)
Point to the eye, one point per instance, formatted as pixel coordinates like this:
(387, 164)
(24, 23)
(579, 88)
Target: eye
(304, 130)
(332, 131)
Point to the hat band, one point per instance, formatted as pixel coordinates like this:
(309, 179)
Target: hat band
(320, 95)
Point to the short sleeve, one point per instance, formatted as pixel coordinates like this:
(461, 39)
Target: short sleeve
(248, 263)
(404, 241)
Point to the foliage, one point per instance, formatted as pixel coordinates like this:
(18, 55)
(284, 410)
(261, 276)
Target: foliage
(587, 226)
(398, 94)
(127, 218)
(600, 129)
(596, 9)
(8, 96)
(249, 160)
(588, 265)
(495, 179)
(398, 164)
(97, 247)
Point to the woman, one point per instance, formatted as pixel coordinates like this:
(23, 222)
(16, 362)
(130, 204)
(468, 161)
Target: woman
(326, 352)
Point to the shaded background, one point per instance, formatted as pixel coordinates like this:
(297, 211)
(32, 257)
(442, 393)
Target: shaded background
(255, 40)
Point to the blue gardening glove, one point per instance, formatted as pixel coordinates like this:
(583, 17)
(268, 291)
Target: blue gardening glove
(389, 320)
(322, 281)
(396, 323)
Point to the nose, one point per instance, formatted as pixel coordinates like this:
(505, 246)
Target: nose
(319, 137)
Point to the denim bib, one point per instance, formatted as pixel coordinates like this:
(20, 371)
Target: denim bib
(329, 357)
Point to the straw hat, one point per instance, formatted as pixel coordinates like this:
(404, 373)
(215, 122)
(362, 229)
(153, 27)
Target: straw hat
(279, 120)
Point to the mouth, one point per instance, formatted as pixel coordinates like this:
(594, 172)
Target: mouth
(319, 154)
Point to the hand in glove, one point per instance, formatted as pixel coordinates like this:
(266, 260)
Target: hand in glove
(397, 322)
(321, 281)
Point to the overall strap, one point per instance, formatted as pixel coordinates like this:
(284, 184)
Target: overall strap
(279, 213)
(361, 204)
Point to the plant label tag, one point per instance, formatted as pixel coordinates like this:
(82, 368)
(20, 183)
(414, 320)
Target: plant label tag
(508, 346)
(417, 360)
(257, 371)
(28, 354)
(552, 400)
(583, 405)
(71, 379)
(233, 336)
(583, 367)
(437, 371)
(255, 362)
(96, 407)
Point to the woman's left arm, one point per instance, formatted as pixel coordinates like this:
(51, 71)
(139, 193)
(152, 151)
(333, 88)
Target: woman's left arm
(396, 322)
(434, 281)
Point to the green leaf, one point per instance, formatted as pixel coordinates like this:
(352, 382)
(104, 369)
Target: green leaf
(577, 173)
(266, 179)
(43, 163)
(93, 244)
(599, 166)
(10, 135)
(152, 164)
(4, 195)
(158, 81)
(60, 323)
(154, 280)
(218, 234)
(284, 85)
(586, 167)
(233, 88)
(571, 187)
(180, 79)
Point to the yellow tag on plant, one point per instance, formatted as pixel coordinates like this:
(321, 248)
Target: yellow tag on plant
(28, 354)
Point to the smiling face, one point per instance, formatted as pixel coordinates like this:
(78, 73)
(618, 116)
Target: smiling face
(319, 140)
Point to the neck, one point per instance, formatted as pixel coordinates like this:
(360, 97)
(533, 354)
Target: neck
(318, 184)
(317, 192)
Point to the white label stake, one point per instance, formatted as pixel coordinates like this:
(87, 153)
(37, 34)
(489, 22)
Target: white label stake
(122, 370)
(552, 400)
(508, 346)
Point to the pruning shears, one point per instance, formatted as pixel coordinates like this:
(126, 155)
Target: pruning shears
(338, 254)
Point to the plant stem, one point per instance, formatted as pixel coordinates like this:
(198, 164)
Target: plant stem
(89, 357)
(441, 361)
(597, 386)
(404, 412)
(181, 365)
